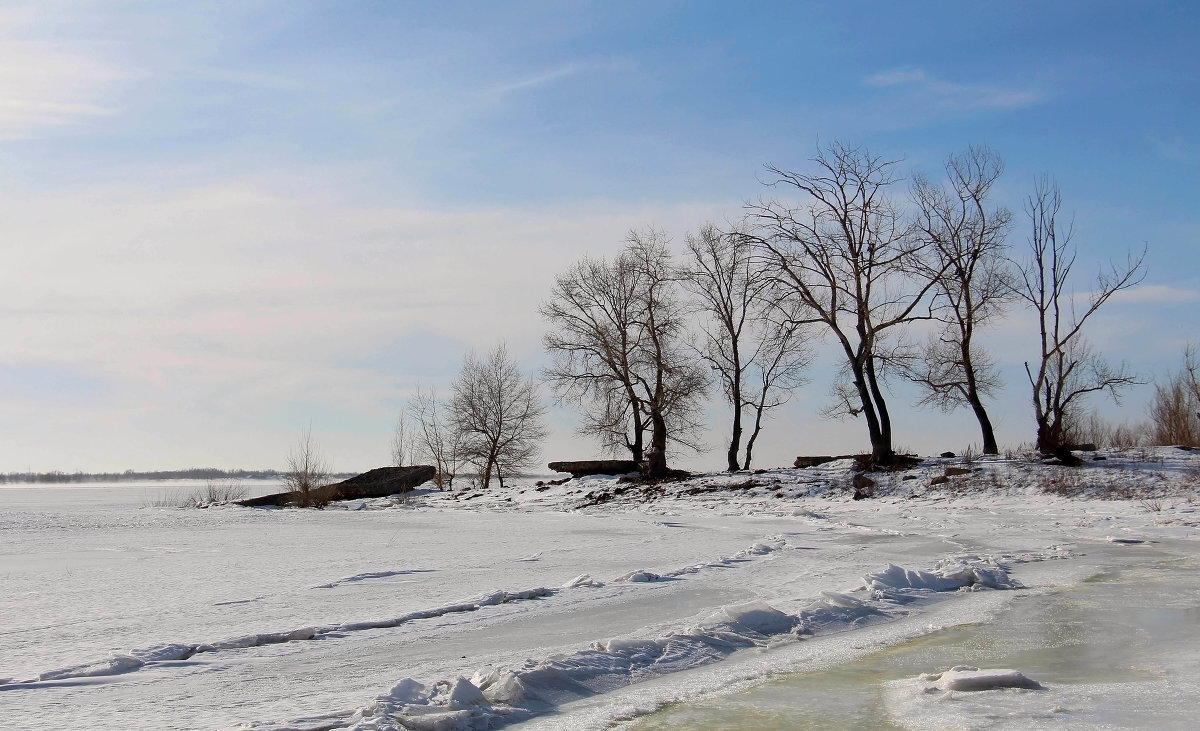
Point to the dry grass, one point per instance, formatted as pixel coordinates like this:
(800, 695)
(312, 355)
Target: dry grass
(214, 492)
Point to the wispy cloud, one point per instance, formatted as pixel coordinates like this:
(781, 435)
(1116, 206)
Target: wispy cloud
(551, 76)
(45, 83)
(1158, 294)
(1176, 148)
(952, 95)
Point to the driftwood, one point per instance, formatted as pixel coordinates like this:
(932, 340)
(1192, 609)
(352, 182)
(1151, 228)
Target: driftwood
(379, 482)
(583, 468)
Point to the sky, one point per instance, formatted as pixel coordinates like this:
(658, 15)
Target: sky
(224, 222)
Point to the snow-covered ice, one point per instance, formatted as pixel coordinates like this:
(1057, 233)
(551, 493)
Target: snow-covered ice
(574, 605)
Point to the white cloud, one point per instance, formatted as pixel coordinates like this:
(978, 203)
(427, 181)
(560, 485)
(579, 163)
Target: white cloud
(551, 76)
(897, 77)
(1157, 294)
(951, 95)
(229, 314)
(47, 84)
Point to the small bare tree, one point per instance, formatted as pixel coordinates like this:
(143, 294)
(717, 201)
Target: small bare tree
(498, 414)
(852, 262)
(307, 474)
(758, 359)
(966, 259)
(434, 438)
(1067, 369)
(618, 338)
(1175, 410)
(403, 442)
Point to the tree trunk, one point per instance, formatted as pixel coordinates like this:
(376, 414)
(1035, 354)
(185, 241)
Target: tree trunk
(881, 449)
(758, 414)
(636, 450)
(985, 424)
(881, 443)
(735, 392)
(735, 442)
(656, 458)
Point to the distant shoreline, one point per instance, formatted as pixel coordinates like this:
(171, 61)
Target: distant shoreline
(195, 473)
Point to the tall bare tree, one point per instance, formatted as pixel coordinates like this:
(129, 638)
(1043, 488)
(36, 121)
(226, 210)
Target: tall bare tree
(966, 259)
(1067, 369)
(498, 414)
(617, 336)
(758, 358)
(852, 261)
(434, 438)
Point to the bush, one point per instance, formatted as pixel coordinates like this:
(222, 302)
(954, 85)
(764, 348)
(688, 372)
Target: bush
(1175, 410)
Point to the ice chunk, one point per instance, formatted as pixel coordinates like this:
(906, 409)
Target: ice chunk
(839, 600)
(463, 694)
(581, 581)
(499, 686)
(639, 576)
(895, 577)
(407, 691)
(969, 678)
(760, 618)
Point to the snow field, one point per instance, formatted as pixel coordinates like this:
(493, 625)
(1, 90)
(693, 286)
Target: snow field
(517, 606)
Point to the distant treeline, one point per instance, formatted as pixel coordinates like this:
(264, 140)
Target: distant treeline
(195, 473)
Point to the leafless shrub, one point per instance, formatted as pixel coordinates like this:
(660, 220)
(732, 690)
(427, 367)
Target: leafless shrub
(1127, 436)
(970, 455)
(1023, 451)
(1065, 483)
(217, 492)
(1175, 410)
(214, 492)
(307, 474)
(1152, 505)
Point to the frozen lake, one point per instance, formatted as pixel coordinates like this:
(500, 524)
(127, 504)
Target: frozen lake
(1120, 649)
(739, 609)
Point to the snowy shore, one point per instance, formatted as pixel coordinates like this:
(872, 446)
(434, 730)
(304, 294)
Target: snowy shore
(577, 605)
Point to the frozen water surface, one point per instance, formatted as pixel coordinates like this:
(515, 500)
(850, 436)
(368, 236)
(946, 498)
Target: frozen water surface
(1120, 649)
(782, 602)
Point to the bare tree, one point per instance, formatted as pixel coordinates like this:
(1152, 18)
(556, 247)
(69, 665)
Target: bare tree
(852, 262)
(1175, 410)
(758, 359)
(595, 338)
(403, 442)
(435, 439)
(307, 473)
(498, 414)
(617, 336)
(966, 259)
(1067, 369)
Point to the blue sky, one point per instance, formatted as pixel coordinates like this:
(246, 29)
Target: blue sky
(222, 221)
